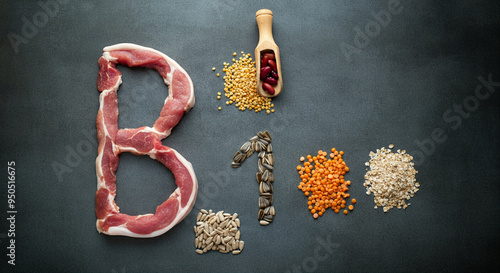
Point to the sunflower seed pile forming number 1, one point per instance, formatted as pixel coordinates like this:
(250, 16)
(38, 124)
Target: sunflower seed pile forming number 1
(217, 231)
(261, 144)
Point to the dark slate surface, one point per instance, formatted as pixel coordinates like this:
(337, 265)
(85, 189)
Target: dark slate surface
(350, 83)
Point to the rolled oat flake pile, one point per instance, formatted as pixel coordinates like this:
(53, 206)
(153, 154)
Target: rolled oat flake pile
(391, 178)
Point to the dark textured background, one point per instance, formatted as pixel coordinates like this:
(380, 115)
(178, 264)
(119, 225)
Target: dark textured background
(393, 90)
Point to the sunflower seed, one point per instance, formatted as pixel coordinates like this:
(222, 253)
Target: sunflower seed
(261, 168)
(210, 245)
(204, 211)
(236, 156)
(267, 134)
(271, 177)
(269, 187)
(236, 252)
(265, 175)
(262, 202)
(227, 239)
(199, 251)
(242, 158)
(245, 147)
(263, 145)
(264, 223)
(270, 159)
(267, 166)
(272, 210)
(269, 148)
(266, 210)
(235, 165)
(237, 236)
(234, 245)
(262, 187)
(241, 245)
(258, 146)
(249, 153)
(263, 142)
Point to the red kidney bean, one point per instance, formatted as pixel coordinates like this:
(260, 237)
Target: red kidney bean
(265, 59)
(269, 88)
(272, 64)
(271, 80)
(264, 71)
(274, 75)
(269, 55)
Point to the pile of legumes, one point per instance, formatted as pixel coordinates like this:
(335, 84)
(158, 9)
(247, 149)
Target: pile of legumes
(240, 86)
(269, 72)
(322, 180)
(391, 178)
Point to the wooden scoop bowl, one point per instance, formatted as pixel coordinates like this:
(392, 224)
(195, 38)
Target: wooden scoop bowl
(266, 44)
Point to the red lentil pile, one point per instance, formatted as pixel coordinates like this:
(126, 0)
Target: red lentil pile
(322, 180)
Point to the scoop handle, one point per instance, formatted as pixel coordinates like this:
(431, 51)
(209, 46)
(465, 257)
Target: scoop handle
(264, 19)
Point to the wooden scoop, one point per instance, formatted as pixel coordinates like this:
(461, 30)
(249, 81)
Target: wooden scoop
(266, 44)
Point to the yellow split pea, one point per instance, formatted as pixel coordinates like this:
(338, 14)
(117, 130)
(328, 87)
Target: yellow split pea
(240, 86)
